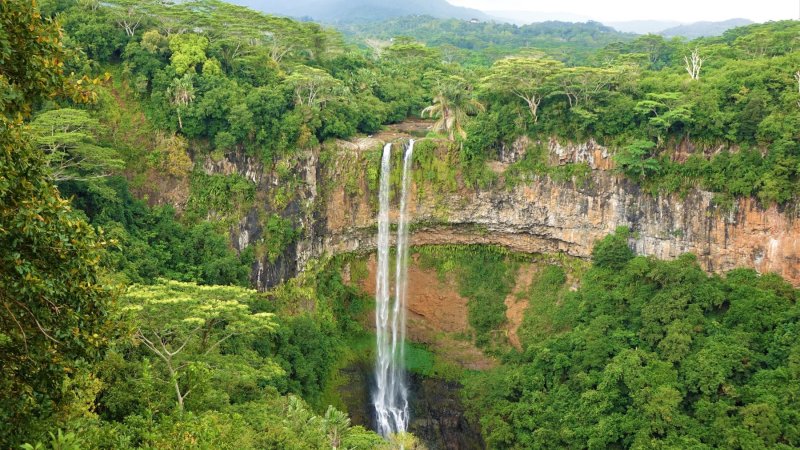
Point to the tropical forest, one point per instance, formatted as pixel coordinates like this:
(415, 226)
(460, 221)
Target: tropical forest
(357, 225)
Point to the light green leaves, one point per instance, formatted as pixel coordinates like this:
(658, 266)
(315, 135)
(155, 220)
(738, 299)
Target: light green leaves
(188, 50)
(528, 78)
(184, 326)
(69, 139)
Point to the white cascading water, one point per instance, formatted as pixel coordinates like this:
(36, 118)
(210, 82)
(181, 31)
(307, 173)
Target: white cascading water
(391, 392)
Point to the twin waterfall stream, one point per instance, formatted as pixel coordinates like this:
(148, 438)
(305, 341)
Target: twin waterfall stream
(390, 395)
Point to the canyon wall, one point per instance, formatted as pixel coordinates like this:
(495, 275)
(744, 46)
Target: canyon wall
(541, 215)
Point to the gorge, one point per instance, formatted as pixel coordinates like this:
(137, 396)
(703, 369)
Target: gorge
(542, 215)
(539, 216)
(227, 229)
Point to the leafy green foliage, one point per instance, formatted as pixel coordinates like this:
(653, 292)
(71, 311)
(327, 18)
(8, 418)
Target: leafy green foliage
(635, 96)
(240, 79)
(279, 233)
(451, 106)
(613, 252)
(219, 197)
(185, 326)
(545, 314)
(635, 160)
(274, 422)
(188, 51)
(69, 139)
(54, 315)
(305, 349)
(152, 243)
(347, 303)
(527, 78)
(231, 354)
(481, 43)
(535, 162)
(650, 353)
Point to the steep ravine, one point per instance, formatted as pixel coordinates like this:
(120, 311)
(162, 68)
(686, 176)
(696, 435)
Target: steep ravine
(540, 216)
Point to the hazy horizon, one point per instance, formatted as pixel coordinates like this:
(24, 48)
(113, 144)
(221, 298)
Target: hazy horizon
(684, 11)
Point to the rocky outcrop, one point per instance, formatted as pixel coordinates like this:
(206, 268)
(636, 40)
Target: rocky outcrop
(547, 216)
(302, 210)
(438, 417)
(541, 215)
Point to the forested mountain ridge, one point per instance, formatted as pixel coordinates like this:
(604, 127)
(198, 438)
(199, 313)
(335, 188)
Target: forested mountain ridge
(468, 42)
(207, 142)
(685, 30)
(342, 12)
(702, 29)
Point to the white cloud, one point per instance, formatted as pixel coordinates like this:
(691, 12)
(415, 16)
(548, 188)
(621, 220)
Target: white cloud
(678, 10)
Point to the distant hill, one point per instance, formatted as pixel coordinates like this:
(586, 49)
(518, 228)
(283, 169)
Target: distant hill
(530, 17)
(643, 26)
(355, 11)
(702, 29)
(482, 43)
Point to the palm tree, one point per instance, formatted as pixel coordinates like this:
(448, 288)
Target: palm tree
(452, 104)
(336, 424)
(181, 94)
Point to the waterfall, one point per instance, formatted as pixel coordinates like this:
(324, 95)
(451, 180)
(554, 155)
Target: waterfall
(381, 397)
(391, 392)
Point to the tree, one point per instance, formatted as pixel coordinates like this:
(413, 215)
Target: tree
(129, 14)
(336, 424)
(613, 252)
(188, 51)
(582, 84)
(53, 306)
(657, 49)
(170, 155)
(694, 65)
(408, 52)
(664, 110)
(312, 87)
(452, 104)
(69, 139)
(405, 441)
(797, 77)
(530, 79)
(184, 325)
(754, 45)
(635, 159)
(181, 94)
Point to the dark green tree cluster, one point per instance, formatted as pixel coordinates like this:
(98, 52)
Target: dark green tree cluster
(152, 243)
(651, 354)
(172, 364)
(649, 96)
(238, 79)
(480, 44)
(53, 304)
(210, 367)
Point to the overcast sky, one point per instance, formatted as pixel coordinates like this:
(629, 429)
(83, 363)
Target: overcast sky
(621, 10)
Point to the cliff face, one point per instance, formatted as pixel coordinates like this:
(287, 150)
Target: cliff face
(540, 215)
